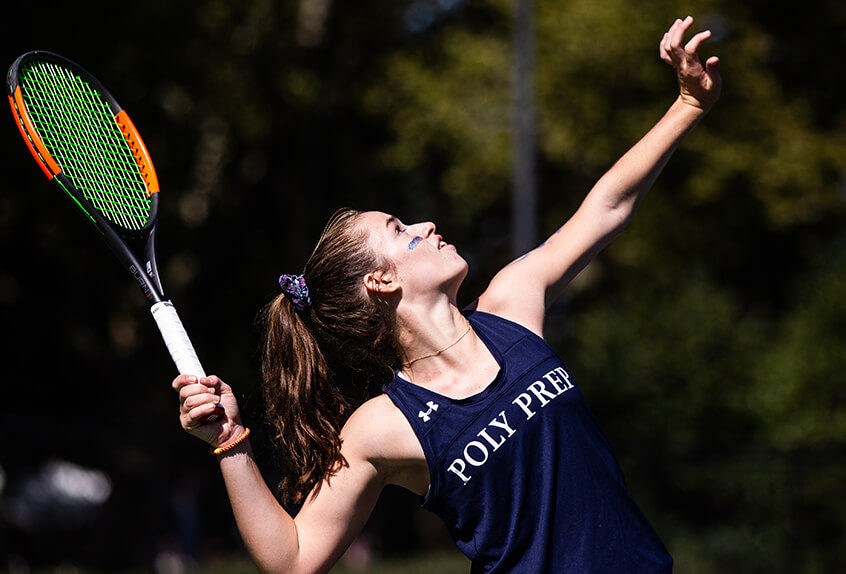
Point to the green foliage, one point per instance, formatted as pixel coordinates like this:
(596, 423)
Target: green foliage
(451, 109)
(684, 349)
(800, 390)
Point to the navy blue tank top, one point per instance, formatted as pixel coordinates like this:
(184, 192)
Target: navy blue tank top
(521, 473)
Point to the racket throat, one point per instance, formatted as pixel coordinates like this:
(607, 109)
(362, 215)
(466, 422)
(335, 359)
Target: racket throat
(151, 266)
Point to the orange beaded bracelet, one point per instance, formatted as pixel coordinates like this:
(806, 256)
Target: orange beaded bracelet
(233, 444)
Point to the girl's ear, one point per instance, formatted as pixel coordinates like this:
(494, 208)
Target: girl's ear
(380, 282)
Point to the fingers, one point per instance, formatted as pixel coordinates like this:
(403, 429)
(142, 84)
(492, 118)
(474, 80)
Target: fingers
(192, 401)
(672, 39)
(663, 51)
(693, 45)
(194, 393)
(193, 389)
(197, 401)
(713, 65)
(670, 47)
(712, 68)
(183, 380)
(211, 382)
(197, 416)
(677, 30)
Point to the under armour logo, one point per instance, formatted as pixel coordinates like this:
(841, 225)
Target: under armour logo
(433, 406)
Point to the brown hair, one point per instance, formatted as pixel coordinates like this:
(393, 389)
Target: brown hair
(302, 350)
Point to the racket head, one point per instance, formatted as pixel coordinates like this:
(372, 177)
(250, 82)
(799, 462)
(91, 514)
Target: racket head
(84, 142)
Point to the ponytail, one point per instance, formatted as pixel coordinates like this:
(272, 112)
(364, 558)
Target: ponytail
(307, 409)
(302, 347)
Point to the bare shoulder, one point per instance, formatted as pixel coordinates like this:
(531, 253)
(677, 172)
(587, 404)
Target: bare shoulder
(379, 429)
(370, 421)
(508, 299)
(378, 432)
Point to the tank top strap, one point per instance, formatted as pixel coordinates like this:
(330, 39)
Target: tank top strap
(499, 332)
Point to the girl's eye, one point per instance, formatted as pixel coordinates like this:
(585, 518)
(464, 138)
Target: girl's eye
(399, 230)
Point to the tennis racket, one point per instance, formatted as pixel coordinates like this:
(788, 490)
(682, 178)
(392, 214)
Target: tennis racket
(85, 143)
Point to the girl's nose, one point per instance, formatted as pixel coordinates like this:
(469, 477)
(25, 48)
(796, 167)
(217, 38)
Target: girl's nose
(428, 228)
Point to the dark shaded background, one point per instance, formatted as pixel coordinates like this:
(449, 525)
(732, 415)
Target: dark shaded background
(709, 338)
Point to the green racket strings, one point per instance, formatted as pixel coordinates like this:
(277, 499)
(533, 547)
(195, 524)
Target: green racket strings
(81, 133)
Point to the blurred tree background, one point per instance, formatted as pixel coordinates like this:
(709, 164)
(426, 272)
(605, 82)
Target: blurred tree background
(709, 338)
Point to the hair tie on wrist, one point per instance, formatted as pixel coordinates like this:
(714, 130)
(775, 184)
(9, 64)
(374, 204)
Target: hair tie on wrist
(233, 444)
(295, 288)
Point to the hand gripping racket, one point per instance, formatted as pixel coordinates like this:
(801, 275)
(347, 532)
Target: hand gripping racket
(85, 143)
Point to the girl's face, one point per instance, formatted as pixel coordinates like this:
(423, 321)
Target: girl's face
(422, 261)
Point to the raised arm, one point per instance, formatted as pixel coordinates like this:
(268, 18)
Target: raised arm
(332, 515)
(523, 290)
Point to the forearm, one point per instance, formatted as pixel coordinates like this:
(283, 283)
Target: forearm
(268, 531)
(622, 188)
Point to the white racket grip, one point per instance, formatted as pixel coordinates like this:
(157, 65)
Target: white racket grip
(177, 341)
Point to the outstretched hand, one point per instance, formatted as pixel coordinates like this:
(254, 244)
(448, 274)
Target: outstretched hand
(699, 86)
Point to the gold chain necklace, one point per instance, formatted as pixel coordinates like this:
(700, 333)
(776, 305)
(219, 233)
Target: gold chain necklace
(450, 346)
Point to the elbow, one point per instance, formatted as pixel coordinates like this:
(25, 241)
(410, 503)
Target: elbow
(610, 215)
(616, 219)
(271, 567)
(285, 564)
(274, 563)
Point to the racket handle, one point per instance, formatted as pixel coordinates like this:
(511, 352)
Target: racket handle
(179, 345)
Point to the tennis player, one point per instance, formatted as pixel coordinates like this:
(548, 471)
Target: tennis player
(479, 416)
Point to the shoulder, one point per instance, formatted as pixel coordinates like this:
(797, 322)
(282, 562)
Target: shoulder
(369, 423)
(378, 432)
(506, 303)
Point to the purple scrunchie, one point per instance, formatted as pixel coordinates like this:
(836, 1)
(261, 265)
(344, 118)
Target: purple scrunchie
(294, 286)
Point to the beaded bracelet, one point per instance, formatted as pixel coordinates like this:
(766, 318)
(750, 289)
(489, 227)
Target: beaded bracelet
(233, 444)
